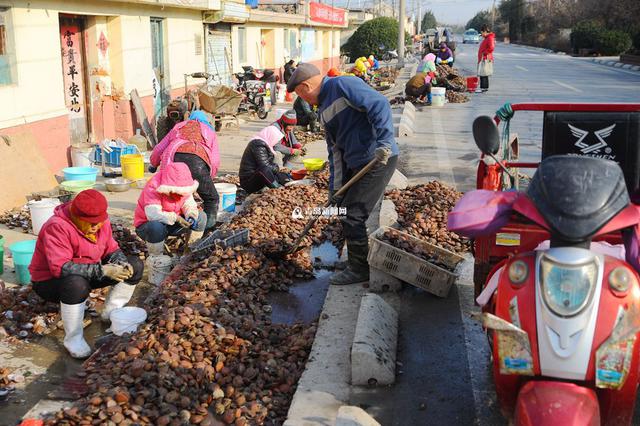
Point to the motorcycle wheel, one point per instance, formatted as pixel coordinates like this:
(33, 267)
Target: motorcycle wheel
(262, 113)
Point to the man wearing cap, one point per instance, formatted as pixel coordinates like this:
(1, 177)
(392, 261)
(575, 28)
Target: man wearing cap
(288, 146)
(357, 121)
(76, 253)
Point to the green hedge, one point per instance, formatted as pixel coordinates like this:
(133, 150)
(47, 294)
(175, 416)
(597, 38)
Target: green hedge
(585, 34)
(370, 35)
(612, 42)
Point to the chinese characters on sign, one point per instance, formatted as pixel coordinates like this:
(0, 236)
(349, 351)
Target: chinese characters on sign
(72, 68)
(319, 12)
(303, 213)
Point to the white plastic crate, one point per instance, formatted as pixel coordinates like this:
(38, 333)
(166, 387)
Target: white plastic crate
(412, 269)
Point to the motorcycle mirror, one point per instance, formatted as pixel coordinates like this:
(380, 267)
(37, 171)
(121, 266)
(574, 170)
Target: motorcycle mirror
(486, 135)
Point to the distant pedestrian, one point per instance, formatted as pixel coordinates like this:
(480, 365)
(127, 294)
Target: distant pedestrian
(485, 57)
(258, 168)
(289, 146)
(445, 55)
(419, 87)
(289, 68)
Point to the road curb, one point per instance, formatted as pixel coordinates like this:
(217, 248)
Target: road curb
(616, 64)
(373, 354)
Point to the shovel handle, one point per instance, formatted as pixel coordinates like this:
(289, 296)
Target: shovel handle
(381, 156)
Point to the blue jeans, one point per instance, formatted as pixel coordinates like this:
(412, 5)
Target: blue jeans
(156, 232)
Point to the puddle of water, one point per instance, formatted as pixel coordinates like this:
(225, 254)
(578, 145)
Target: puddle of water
(47, 366)
(305, 299)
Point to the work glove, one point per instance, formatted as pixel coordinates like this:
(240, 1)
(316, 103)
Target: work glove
(296, 152)
(183, 222)
(152, 169)
(115, 272)
(193, 222)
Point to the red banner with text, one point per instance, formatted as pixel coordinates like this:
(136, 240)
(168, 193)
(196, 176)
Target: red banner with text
(319, 12)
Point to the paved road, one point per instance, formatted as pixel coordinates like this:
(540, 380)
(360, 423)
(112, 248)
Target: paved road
(444, 149)
(443, 355)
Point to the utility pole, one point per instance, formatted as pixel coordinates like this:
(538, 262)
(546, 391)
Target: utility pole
(493, 16)
(419, 18)
(401, 35)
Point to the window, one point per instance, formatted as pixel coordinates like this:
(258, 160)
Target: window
(242, 44)
(6, 55)
(287, 48)
(293, 44)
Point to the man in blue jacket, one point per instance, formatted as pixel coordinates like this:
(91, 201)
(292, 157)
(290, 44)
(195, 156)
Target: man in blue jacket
(357, 120)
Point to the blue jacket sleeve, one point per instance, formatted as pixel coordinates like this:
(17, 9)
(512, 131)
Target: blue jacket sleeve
(363, 98)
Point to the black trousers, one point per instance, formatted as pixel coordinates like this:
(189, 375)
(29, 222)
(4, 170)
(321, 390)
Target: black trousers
(263, 177)
(416, 93)
(363, 196)
(484, 82)
(74, 289)
(201, 172)
(310, 120)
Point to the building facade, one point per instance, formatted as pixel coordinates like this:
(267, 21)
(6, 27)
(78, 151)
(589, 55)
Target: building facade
(67, 68)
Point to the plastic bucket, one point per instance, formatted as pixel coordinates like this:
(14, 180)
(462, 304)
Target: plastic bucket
(127, 319)
(1, 255)
(472, 84)
(41, 211)
(438, 97)
(22, 253)
(159, 268)
(81, 157)
(80, 173)
(227, 193)
(282, 92)
(132, 167)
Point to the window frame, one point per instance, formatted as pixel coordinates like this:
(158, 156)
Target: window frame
(242, 44)
(8, 45)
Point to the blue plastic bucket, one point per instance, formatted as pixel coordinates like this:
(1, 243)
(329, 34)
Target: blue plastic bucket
(80, 173)
(22, 253)
(227, 193)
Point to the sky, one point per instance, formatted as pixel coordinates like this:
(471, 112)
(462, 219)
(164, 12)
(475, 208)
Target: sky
(446, 11)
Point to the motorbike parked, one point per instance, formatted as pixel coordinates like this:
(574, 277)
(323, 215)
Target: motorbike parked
(256, 92)
(563, 321)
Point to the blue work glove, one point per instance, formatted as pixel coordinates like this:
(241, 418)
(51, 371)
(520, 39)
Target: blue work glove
(192, 222)
(152, 169)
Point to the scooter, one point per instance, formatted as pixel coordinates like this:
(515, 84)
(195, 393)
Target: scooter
(563, 322)
(256, 92)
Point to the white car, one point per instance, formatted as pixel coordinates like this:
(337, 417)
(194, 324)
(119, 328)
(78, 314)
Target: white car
(471, 36)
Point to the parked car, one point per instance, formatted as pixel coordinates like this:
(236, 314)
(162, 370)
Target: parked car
(471, 36)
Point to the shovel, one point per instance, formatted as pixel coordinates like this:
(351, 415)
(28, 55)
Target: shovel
(381, 156)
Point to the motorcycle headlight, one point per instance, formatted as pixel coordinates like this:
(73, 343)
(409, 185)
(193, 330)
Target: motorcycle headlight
(566, 289)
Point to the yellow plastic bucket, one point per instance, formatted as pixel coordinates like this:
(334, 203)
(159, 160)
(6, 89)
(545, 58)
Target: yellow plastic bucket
(132, 167)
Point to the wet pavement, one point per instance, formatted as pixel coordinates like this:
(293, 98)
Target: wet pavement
(304, 300)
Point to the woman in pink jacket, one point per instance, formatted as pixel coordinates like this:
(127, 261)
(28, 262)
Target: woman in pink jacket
(166, 207)
(194, 142)
(75, 253)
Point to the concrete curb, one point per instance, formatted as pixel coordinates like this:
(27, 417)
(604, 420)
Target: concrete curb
(616, 64)
(373, 354)
(354, 416)
(324, 386)
(404, 125)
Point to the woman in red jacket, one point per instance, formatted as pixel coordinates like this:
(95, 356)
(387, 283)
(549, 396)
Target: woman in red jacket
(485, 52)
(75, 253)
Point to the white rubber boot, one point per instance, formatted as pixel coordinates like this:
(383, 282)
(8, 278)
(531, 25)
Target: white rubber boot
(155, 249)
(118, 296)
(72, 319)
